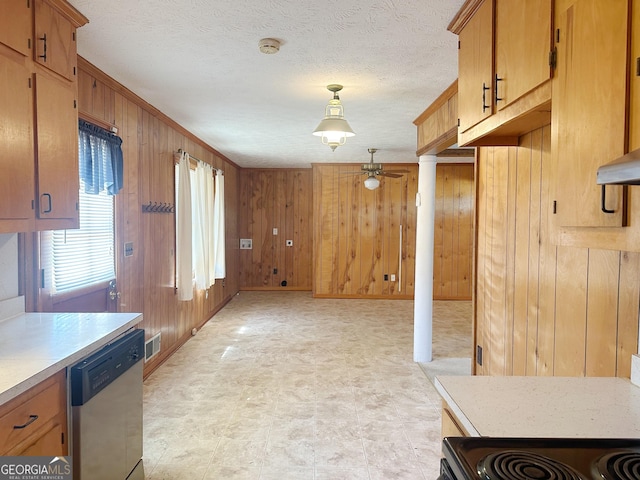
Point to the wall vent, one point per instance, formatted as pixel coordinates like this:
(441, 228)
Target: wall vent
(152, 347)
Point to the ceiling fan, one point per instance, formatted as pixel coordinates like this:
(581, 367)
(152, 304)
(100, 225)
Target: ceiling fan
(372, 170)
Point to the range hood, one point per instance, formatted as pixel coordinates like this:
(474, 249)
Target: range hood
(622, 171)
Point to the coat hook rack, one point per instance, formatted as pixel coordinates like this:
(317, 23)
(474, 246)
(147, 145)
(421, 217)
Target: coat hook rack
(158, 207)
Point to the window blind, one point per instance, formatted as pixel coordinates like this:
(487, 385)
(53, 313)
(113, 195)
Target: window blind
(82, 257)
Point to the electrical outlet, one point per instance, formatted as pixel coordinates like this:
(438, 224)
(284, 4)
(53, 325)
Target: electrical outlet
(275, 271)
(128, 249)
(275, 231)
(246, 244)
(386, 277)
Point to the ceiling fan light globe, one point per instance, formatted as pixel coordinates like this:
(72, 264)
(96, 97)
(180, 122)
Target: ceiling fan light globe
(371, 183)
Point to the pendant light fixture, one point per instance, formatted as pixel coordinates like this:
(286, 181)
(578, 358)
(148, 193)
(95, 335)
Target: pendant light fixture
(334, 129)
(371, 182)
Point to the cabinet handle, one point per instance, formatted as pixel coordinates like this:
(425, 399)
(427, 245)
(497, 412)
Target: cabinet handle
(603, 196)
(44, 55)
(32, 418)
(498, 79)
(48, 196)
(484, 97)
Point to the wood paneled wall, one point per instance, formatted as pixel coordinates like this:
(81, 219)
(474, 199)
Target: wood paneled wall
(282, 199)
(543, 309)
(146, 279)
(453, 232)
(362, 235)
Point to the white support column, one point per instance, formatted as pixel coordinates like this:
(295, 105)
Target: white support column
(423, 303)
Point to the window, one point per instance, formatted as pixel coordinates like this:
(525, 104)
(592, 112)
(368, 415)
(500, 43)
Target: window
(75, 259)
(200, 234)
(83, 257)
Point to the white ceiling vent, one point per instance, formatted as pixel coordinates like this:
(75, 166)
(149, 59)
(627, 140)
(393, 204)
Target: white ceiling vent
(269, 46)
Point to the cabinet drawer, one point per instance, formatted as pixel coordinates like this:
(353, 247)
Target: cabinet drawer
(33, 410)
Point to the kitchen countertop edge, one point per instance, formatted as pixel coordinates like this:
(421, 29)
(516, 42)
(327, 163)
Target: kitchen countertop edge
(66, 361)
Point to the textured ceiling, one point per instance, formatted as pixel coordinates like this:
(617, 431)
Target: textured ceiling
(198, 62)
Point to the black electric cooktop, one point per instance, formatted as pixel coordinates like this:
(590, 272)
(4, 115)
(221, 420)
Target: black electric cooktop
(490, 458)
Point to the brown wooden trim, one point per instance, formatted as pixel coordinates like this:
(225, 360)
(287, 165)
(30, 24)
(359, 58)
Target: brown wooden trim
(457, 152)
(69, 11)
(98, 74)
(63, 297)
(438, 102)
(468, 10)
(275, 289)
(441, 143)
(97, 121)
(366, 297)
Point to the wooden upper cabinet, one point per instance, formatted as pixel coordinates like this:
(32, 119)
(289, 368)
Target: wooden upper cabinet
(15, 25)
(634, 81)
(475, 67)
(57, 152)
(16, 147)
(522, 48)
(589, 108)
(503, 69)
(55, 40)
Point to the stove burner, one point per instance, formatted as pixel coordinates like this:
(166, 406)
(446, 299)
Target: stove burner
(521, 465)
(619, 466)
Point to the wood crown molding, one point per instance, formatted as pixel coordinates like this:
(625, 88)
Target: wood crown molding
(465, 13)
(69, 11)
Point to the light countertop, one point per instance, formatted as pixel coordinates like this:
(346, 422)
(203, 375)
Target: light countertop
(34, 346)
(569, 407)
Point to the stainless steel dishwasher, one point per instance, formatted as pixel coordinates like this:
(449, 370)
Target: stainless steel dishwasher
(106, 411)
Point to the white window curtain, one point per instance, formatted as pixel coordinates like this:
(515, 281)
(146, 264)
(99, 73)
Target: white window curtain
(184, 259)
(203, 226)
(220, 266)
(200, 233)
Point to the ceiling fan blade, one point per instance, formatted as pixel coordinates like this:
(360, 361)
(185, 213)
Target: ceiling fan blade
(394, 174)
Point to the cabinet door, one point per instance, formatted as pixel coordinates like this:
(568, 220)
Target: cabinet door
(588, 115)
(55, 41)
(16, 147)
(522, 45)
(15, 25)
(634, 111)
(475, 67)
(57, 150)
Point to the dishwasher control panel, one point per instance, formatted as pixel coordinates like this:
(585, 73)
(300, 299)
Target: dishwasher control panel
(98, 370)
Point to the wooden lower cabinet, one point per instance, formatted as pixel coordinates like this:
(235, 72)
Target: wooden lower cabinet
(35, 422)
(451, 426)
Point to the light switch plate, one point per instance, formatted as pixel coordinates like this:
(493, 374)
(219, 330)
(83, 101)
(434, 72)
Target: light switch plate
(128, 249)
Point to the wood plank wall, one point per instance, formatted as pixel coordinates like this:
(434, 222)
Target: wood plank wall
(360, 235)
(146, 279)
(453, 232)
(282, 199)
(543, 309)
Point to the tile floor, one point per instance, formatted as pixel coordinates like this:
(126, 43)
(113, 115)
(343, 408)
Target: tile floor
(279, 385)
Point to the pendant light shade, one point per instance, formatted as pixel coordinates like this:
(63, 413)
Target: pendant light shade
(371, 182)
(334, 129)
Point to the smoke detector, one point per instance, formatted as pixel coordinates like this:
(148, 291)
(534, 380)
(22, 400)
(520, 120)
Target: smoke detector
(269, 46)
